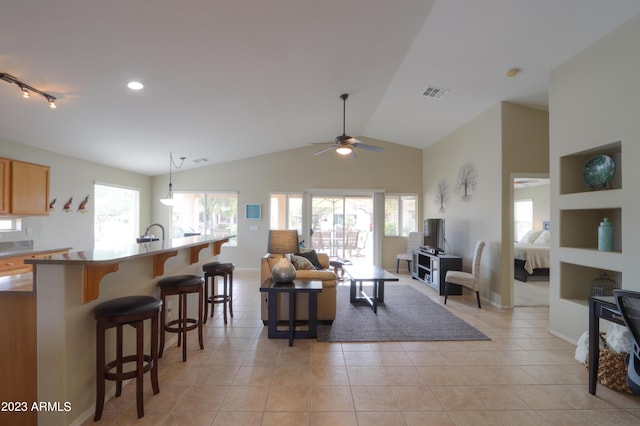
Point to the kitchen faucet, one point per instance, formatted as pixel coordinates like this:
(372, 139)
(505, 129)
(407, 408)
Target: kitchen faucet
(146, 237)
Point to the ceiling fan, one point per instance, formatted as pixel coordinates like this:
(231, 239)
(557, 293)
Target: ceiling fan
(344, 144)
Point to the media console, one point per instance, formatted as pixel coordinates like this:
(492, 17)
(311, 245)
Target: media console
(431, 268)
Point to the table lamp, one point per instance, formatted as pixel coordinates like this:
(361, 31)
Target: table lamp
(283, 242)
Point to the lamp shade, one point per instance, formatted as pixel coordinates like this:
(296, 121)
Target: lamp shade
(281, 242)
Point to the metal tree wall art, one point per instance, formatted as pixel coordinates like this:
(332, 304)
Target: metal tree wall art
(467, 181)
(442, 195)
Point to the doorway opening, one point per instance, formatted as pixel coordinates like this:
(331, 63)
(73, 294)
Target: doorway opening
(531, 240)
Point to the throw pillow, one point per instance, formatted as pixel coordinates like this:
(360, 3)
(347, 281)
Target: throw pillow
(301, 263)
(313, 258)
(530, 237)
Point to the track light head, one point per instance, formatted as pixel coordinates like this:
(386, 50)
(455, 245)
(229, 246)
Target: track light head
(26, 89)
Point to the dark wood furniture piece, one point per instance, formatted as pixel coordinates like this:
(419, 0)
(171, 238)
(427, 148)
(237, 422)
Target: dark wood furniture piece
(133, 311)
(181, 286)
(213, 270)
(378, 276)
(312, 288)
(432, 268)
(520, 274)
(599, 307)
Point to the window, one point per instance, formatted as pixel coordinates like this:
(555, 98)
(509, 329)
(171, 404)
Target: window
(522, 218)
(214, 214)
(116, 216)
(286, 211)
(400, 215)
(10, 224)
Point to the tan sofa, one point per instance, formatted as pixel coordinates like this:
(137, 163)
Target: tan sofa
(326, 299)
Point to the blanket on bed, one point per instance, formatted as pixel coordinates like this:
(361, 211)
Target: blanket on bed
(534, 256)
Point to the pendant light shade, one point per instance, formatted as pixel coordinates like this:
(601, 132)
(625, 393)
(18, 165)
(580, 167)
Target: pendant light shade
(168, 200)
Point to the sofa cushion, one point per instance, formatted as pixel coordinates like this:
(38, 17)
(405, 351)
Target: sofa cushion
(301, 263)
(313, 258)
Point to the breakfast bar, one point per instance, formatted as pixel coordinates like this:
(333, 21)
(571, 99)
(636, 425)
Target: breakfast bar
(66, 288)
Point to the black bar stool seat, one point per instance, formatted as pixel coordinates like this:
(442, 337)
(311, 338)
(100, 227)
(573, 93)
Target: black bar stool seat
(213, 270)
(133, 311)
(181, 286)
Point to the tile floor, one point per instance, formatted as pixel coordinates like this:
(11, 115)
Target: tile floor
(522, 376)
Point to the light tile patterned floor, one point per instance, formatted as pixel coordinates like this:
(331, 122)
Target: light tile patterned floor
(523, 376)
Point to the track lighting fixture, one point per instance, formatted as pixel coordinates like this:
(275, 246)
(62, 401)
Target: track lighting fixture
(26, 89)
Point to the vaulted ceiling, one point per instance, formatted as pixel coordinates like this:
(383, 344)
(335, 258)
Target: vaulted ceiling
(226, 80)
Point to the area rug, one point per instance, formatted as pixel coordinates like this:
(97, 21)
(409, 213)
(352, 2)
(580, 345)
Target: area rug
(405, 315)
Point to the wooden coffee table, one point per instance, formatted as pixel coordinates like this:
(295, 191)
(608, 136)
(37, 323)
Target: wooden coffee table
(376, 275)
(312, 288)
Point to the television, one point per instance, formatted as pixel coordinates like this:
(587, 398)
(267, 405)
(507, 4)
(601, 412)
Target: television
(434, 235)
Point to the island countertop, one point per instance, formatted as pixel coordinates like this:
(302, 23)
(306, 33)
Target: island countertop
(100, 262)
(119, 254)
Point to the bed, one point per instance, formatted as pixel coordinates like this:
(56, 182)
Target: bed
(531, 256)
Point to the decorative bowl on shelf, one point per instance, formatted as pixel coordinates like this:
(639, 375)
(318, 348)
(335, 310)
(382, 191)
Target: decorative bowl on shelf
(598, 171)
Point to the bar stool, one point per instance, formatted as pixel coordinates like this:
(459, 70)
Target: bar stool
(133, 311)
(181, 286)
(213, 270)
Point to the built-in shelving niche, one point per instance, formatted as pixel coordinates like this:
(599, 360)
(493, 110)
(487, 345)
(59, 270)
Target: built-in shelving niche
(576, 281)
(571, 166)
(580, 227)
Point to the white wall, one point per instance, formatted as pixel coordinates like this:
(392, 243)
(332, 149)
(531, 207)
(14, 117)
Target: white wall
(479, 218)
(594, 100)
(70, 177)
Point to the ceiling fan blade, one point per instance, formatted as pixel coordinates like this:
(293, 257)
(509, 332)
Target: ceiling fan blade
(369, 147)
(322, 151)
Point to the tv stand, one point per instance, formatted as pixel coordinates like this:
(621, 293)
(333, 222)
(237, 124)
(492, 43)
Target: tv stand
(431, 268)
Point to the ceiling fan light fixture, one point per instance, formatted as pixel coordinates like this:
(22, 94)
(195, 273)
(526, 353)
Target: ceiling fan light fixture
(344, 149)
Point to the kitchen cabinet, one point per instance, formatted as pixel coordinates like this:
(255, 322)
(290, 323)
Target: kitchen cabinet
(5, 186)
(25, 188)
(29, 189)
(13, 265)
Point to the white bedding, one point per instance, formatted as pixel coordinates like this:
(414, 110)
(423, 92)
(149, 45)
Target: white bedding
(534, 256)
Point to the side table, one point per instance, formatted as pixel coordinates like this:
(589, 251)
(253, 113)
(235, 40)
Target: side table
(312, 288)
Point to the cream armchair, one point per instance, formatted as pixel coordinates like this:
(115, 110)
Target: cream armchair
(326, 299)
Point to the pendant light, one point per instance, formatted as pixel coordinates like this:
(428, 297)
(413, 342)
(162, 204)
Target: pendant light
(168, 200)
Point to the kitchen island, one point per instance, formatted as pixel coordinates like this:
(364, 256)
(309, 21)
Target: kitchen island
(66, 288)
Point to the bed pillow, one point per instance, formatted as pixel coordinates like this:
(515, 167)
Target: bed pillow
(530, 237)
(543, 240)
(301, 263)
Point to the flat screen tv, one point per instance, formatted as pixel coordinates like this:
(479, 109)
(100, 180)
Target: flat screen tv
(434, 234)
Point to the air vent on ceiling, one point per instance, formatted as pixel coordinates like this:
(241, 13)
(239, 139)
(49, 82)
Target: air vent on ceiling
(200, 160)
(435, 92)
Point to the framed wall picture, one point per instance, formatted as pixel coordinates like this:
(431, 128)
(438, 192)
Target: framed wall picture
(252, 211)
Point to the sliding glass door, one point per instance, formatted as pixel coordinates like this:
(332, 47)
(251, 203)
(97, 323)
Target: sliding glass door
(342, 226)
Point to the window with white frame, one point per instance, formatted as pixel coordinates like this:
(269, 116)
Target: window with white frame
(209, 213)
(116, 215)
(400, 214)
(10, 224)
(285, 211)
(522, 218)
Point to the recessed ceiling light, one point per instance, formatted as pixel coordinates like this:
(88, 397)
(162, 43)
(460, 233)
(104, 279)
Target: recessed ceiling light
(135, 85)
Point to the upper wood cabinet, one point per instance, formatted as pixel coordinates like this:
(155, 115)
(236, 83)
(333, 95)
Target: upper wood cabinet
(5, 186)
(25, 188)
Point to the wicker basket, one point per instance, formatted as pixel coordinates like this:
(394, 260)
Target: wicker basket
(612, 369)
